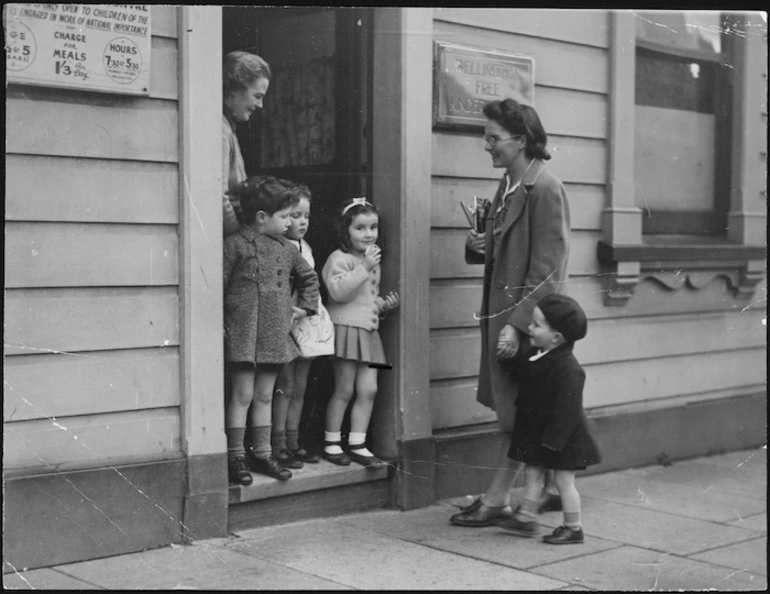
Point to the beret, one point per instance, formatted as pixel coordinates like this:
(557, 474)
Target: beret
(565, 315)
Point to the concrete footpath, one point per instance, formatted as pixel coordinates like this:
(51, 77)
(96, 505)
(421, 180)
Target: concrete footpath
(693, 525)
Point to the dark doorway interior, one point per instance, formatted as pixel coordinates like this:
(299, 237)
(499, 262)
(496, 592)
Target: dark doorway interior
(312, 128)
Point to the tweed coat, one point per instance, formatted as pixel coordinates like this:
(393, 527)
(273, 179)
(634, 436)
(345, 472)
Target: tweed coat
(551, 428)
(258, 274)
(531, 262)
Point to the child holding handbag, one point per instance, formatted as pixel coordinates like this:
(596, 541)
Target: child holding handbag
(314, 336)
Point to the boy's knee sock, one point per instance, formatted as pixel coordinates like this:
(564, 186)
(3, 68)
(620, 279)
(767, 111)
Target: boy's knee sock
(527, 510)
(356, 441)
(235, 447)
(292, 439)
(572, 520)
(333, 440)
(278, 440)
(260, 441)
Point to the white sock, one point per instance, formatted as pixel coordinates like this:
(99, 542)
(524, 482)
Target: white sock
(334, 437)
(356, 442)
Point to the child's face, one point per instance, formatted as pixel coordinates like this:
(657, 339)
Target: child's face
(277, 224)
(299, 220)
(541, 334)
(363, 230)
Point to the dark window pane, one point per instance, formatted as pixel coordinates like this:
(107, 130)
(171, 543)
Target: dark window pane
(675, 83)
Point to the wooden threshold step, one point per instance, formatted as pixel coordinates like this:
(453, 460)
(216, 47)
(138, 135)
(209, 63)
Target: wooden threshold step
(311, 477)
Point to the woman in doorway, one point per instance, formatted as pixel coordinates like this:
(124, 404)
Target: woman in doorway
(245, 80)
(524, 251)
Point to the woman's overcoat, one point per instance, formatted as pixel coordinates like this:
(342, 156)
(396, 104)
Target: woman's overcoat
(530, 262)
(259, 274)
(551, 428)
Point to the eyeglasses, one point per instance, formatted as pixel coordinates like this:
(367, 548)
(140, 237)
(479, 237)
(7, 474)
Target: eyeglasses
(495, 139)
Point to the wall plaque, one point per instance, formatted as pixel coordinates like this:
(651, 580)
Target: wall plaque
(98, 47)
(466, 78)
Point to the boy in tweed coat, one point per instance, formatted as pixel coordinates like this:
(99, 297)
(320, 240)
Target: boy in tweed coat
(259, 266)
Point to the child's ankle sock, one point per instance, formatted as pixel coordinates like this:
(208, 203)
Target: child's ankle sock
(260, 442)
(356, 441)
(292, 439)
(572, 520)
(235, 437)
(278, 440)
(527, 511)
(333, 440)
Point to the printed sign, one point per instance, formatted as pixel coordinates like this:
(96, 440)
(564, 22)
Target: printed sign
(100, 47)
(467, 78)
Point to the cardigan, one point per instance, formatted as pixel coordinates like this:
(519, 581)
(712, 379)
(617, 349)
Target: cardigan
(233, 173)
(353, 291)
(257, 281)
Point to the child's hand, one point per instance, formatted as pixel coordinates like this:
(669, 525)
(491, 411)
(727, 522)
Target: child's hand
(372, 257)
(389, 302)
(297, 314)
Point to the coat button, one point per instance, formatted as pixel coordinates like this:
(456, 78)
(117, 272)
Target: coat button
(279, 284)
(278, 272)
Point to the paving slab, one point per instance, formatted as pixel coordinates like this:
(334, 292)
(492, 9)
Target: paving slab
(757, 522)
(632, 568)
(658, 530)
(703, 504)
(365, 559)
(44, 579)
(755, 459)
(750, 556)
(205, 566)
(430, 527)
(705, 474)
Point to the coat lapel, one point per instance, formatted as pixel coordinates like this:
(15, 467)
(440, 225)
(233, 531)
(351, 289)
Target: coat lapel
(248, 233)
(519, 197)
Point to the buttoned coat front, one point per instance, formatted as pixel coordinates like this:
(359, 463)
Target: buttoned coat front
(259, 273)
(529, 263)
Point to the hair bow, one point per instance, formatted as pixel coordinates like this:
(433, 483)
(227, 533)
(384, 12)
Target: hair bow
(356, 202)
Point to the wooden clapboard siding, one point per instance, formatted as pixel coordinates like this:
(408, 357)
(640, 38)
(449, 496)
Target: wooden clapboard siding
(574, 160)
(447, 248)
(455, 353)
(90, 190)
(164, 23)
(566, 112)
(557, 63)
(163, 70)
(586, 27)
(81, 319)
(586, 201)
(44, 386)
(453, 404)
(91, 441)
(140, 129)
(86, 254)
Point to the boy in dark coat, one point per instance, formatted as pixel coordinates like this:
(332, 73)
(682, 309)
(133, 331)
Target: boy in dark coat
(550, 430)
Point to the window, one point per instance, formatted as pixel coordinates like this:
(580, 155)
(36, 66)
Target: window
(682, 122)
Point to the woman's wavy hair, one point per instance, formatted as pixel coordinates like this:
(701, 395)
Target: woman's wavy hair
(265, 193)
(520, 120)
(346, 219)
(242, 69)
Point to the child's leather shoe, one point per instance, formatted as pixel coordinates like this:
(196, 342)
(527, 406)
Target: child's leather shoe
(268, 466)
(304, 456)
(286, 459)
(238, 471)
(525, 528)
(565, 535)
(366, 461)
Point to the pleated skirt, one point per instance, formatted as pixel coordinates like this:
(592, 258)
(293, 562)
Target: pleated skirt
(358, 344)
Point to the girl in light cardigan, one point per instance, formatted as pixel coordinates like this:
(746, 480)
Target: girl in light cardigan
(352, 277)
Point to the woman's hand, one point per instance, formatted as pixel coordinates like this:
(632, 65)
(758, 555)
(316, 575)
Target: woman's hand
(475, 241)
(297, 313)
(372, 257)
(507, 342)
(389, 302)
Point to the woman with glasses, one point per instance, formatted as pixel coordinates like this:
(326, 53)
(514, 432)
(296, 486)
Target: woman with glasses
(524, 249)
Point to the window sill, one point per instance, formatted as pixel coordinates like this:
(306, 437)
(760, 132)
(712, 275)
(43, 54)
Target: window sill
(695, 260)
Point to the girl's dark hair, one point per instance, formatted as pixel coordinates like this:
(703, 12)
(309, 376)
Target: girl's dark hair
(302, 191)
(265, 193)
(240, 70)
(347, 216)
(520, 120)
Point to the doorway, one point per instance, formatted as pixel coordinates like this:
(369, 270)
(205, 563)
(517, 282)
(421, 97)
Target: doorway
(312, 129)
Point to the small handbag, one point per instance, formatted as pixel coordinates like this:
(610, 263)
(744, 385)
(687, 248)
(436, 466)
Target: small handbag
(314, 335)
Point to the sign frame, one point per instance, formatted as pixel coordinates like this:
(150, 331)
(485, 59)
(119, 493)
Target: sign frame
(481, 66)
